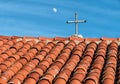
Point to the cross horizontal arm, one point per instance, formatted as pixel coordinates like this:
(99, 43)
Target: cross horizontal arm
(81, 21)
(70, 22)
(77, 21)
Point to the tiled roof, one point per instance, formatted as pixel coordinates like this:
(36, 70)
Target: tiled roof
(39, 60)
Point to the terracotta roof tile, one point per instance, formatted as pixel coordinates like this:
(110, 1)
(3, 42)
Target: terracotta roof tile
(41, 60)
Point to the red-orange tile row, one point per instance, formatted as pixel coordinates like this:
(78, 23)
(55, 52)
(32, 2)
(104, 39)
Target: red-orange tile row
(94, 72)
(82, 67)
(109, 72)
(64, 75)
(31, 61)
(117, 81)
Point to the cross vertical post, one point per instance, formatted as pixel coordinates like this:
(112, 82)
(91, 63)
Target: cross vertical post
(76, 24)
(76, 21)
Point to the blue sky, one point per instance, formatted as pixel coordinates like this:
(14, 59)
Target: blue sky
(37, 18)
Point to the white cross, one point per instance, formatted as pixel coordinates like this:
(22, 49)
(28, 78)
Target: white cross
(76, 21)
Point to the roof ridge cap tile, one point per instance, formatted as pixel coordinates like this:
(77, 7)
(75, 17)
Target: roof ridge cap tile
(8, 37)
(92, 39)
(60, 38)
(108, 38)
(45, 38)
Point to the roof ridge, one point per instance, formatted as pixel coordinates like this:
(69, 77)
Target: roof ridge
(61, 38)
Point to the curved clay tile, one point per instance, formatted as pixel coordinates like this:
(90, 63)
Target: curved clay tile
(4, 56)
(1, 42)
